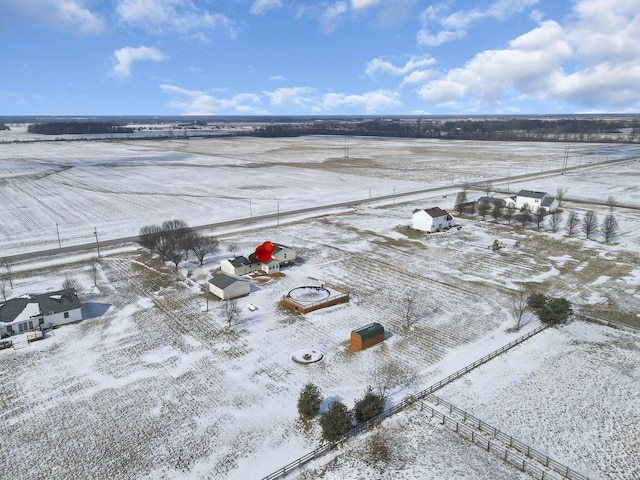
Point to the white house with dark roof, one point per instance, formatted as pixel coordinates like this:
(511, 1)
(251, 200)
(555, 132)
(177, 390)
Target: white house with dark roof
(29, 312)
(535, 200)
(281, 256)
(432, 219)
(226, 286)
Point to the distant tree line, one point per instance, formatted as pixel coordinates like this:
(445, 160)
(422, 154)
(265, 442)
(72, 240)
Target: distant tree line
(77, 128)
(508, 128)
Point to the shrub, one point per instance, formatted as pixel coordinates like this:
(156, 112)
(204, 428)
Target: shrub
(309, 401)
(369, 406)
(335, 422)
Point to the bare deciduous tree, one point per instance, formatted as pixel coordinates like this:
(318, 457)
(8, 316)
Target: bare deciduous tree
(509, 212)
(539, 216)
(202, 246)
(525, 215)
(232, 247)
(71, 283)
(554, 220)
(408, 305)
(8, 270)
(572, 223)
(589, 223)
(149, 236)
(461, 200)
(519, 305)
(388, 376)
(231, 311)
(3, 288)
(483, 208)
(611, 202)
(496, 210)
(609, 227)
(560, 195)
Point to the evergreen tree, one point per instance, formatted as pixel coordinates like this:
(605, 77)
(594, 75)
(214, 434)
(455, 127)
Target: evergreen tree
(309, 401)
(369, 406)
(335, 422)
(555, 310)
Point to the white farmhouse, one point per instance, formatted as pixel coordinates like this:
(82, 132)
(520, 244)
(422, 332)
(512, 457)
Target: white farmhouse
(432, 220)
(29, 312)
(226, 286)
(281, 256)
(535, 200)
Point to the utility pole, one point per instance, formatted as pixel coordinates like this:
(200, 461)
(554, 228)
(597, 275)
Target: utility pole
(58, 232)
(95, 232)
(278, 214)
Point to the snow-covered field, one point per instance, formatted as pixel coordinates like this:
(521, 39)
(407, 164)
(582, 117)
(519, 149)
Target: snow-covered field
(154, 385)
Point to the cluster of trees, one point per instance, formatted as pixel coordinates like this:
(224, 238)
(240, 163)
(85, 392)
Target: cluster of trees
(174, 239)
(498, 209)
(77, 128)
(552, 310)
(338, 419)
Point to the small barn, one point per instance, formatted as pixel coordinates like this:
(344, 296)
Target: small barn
(366, 336)
(225, 286)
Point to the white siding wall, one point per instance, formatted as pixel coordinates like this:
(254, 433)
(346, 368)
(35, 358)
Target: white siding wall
(423, 221)
(234, 290)
(59, 318)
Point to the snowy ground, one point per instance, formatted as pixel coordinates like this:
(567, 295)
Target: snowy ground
(152, 385)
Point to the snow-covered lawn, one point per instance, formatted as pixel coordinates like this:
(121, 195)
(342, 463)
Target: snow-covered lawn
(154, 385)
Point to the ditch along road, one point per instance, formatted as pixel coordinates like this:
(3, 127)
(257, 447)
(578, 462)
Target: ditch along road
(324, 209)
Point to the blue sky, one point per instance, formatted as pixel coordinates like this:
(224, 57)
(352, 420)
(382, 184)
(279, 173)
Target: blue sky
(340, 57)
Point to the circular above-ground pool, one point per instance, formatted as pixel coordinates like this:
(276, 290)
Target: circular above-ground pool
(309, 294)
(307, 355)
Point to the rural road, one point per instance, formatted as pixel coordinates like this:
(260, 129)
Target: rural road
(327, 207)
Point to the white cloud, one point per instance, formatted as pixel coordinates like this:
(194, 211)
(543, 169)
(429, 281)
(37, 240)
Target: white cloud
(125, 57)
(68, 15)
(531, 65)
(591, 62)
(198, 102)
(378, 65)
(372, 102)
(332, 16)
(453, 26)
(277, 78)
(297, 96)
(260, 7)
(173, 15)
(363, 4)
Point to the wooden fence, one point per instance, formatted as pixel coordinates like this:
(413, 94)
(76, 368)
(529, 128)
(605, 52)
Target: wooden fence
(406, 402)
(506, 443)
